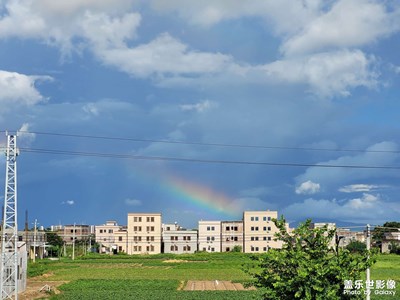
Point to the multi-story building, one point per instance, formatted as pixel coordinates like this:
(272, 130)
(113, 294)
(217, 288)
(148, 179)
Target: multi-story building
(210, 236)
(120, 240)
(259, 231)
(78, 232)
(179, 240)
(35, 243)
(144, 233)
(330, 226)
(105, 236)
(231, 235)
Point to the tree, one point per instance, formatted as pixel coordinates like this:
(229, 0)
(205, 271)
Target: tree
(379, 232)
(55, 242)
(307, 267)
(356, 246)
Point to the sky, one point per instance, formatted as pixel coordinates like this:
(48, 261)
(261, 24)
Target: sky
(202, 109)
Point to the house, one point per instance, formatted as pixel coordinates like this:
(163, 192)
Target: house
(144, 233)
(259, 231)
(210, 236)
(231, 235)
(179, 240)
(105, 236)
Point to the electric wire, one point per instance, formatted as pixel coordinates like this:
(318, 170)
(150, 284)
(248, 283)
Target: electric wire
(115, 138)
(196, 160)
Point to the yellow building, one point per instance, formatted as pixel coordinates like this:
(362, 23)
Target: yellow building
(144, 233)
(259, 231)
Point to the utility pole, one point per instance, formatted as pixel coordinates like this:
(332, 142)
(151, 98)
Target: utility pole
(368, 275)
(73, 244)
(34, 242)
(9, 247)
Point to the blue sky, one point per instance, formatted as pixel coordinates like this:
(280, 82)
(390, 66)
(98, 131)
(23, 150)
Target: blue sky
(289, 77)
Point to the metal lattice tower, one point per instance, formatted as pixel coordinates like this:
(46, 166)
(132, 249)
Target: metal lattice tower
(9, 254)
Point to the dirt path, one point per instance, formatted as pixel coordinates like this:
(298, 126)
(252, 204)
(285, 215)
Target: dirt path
(39, 287)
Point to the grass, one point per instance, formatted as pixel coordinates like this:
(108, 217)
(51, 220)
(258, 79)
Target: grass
(152, 277)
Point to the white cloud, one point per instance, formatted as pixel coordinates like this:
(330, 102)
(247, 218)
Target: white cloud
(327, 73)
(16, 88)
(198, 107)
(164, 56)
(286, 15)
(334, 177)
(24, 136)
(133, 202)
(349, 23)
(366, 209)
(68, 202)
(359, 188)
(308, 188)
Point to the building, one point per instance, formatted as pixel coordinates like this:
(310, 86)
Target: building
(179, 240)
(259, 231)
(346, 236)
(78, 232)
(120, 241)
(231, 235)
(35, 243)
(330, 226)
(105, 236)
(390, 241)
(210, 236)
(144, 233)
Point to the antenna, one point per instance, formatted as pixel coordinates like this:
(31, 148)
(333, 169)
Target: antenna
(9, 256)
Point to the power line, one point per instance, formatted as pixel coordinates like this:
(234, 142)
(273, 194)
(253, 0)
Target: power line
(204, 144)
(194, 160)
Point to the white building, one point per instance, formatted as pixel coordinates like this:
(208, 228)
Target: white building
(210, 236)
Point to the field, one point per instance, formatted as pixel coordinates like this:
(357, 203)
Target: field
(164, 276)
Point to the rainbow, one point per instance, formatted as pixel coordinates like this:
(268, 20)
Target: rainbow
(201, 196)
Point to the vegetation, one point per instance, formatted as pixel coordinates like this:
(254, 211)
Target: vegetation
(96, 276)
(356, 247)
(308, 266)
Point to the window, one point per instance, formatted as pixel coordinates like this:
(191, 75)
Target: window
(213, 238)
(135, 248)
(150, 219)
(252, 219)
(265, 228)
(269, 238)
(256, 218)
(168, 228)
(110, 231)
(204, 249)
(186, 248)
(212, 228)
(208, 228)
(235, 228)
(186, 238)
(137, 219)
(269, 228)
(252, 238)
(227, 249)
(137, 238)
(264, 218)
(252, 228)
(256, 228)
(252, 248)
(269, 218)
(256, 248)
(119, 248)
(264, 238)
(212, 249)
(101, 230)
(265, 248)
(174, 238)
(235, 238)
(227, 228)
(120, 238)
(208, 238)
(174, 248)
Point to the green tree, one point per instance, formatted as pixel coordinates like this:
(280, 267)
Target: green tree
(356, 246)
(307, 267)
(56, 243)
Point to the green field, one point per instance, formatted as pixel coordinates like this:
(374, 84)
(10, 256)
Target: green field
(159, 277)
